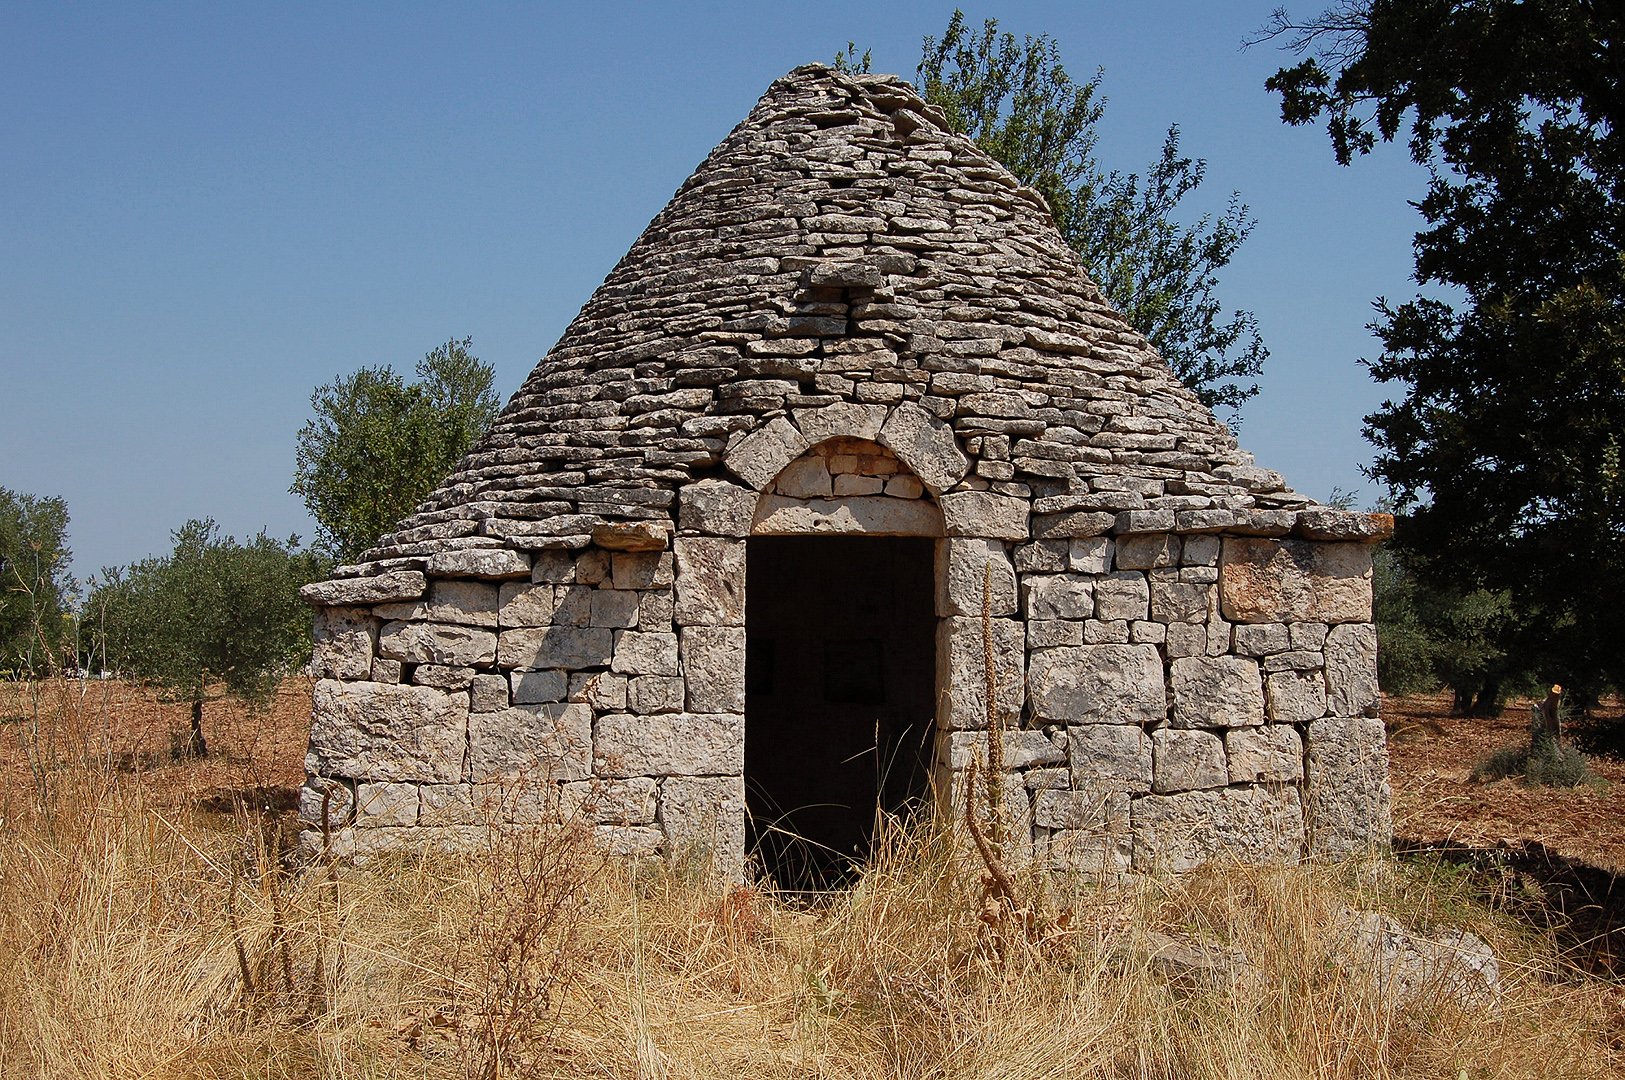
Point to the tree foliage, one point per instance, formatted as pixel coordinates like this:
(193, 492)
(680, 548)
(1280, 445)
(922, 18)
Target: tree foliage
(1016, 100)
(379, 445)
(35, 586)
(213, 611)
(1507, 443)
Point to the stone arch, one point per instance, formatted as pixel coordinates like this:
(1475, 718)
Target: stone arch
(847, 485)
(920, 440)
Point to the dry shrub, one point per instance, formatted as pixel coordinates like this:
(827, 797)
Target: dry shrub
(138, 942)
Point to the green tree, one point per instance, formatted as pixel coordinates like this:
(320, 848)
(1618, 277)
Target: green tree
(213, 611)
(1017, 102)
(379, 445)
(35, 587)
(1507, 443)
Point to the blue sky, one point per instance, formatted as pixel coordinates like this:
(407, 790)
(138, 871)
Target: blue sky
(207, 211)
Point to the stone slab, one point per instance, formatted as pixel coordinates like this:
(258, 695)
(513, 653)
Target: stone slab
(669, 744)
(379, 731)
(1098, 684)
(1263, 581)
(551, 742)
(1216, 692)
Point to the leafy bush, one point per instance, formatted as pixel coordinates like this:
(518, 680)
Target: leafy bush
(1543, 762)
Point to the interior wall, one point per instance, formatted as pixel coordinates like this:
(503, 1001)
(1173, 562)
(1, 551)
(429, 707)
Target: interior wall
(840, 695)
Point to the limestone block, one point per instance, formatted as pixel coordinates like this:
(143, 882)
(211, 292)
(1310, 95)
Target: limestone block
(385, 732)
(1094, 855)
(1098, 684)
(1091, 554)
(1096, 811)
(628, 841)
(573, 605)
(656, 609)
(930, 450)
(537, 687)
(1269, 754)
(1147, 550)
(443, 678)
(385, 803)
(1073, 523)
(1023, 748)
(1216, 691)
(1185, 639)
(1200, 550)
(840, 420)
(492, 563)
(762, 455)
(518, 799)
(1038, 779)
(670, 744)
(386, 671)
(552, 742)
(1308, 636)
(1199, 575)
(1105, 632)
(437, 643)
(641, 569)
(488, 693)
(645, 654)
(1187, 761)
(1262, 580)
(1059, 596)
(710, 582)
(1042, 557)
(555, 567)
(379, 589)
(340, 802)
(715, 507)
(1175, 833)
(1131, 522)
(655, 694)
(472, 603)
(603, 690)
(1351, 670)
(714, 667)
(904, 486)
(1122, 595)
(805, 478)
(609, 802)
(1261, 639)
(1109, 757)
(617, 608)
(448, 804)
(1295, 660)
(343, 643)
(555, 647)
(1179, 601)
(1350, 806)
(594, 567)
(962, 564)
(962, 676)
(521, 604)
(1049, 634)
(704, 817)
(1295, 697)
(1325, 523)
(1146, 632)
(982, 513)
(856, 514)
(632, 535)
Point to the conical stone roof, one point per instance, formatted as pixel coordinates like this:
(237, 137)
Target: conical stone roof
(841, 245)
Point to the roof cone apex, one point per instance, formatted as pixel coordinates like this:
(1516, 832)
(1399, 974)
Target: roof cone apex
(841, 246)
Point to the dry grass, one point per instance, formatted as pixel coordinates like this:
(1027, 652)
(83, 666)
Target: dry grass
(121, 914)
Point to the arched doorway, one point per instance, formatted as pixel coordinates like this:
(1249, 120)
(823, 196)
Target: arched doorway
(840, 663)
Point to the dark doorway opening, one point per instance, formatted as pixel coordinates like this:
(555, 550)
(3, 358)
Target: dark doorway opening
(840, 696)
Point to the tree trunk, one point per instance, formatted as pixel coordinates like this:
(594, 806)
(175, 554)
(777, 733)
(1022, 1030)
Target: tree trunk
(195, 746)
(1489, 697)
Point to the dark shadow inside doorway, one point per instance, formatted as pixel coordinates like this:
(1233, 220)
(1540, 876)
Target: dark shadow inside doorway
(840, 675)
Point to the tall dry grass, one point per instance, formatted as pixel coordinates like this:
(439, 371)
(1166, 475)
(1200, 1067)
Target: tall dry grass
(137, 940)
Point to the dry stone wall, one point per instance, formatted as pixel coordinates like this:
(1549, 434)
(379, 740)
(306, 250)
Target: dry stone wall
(851, 320)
